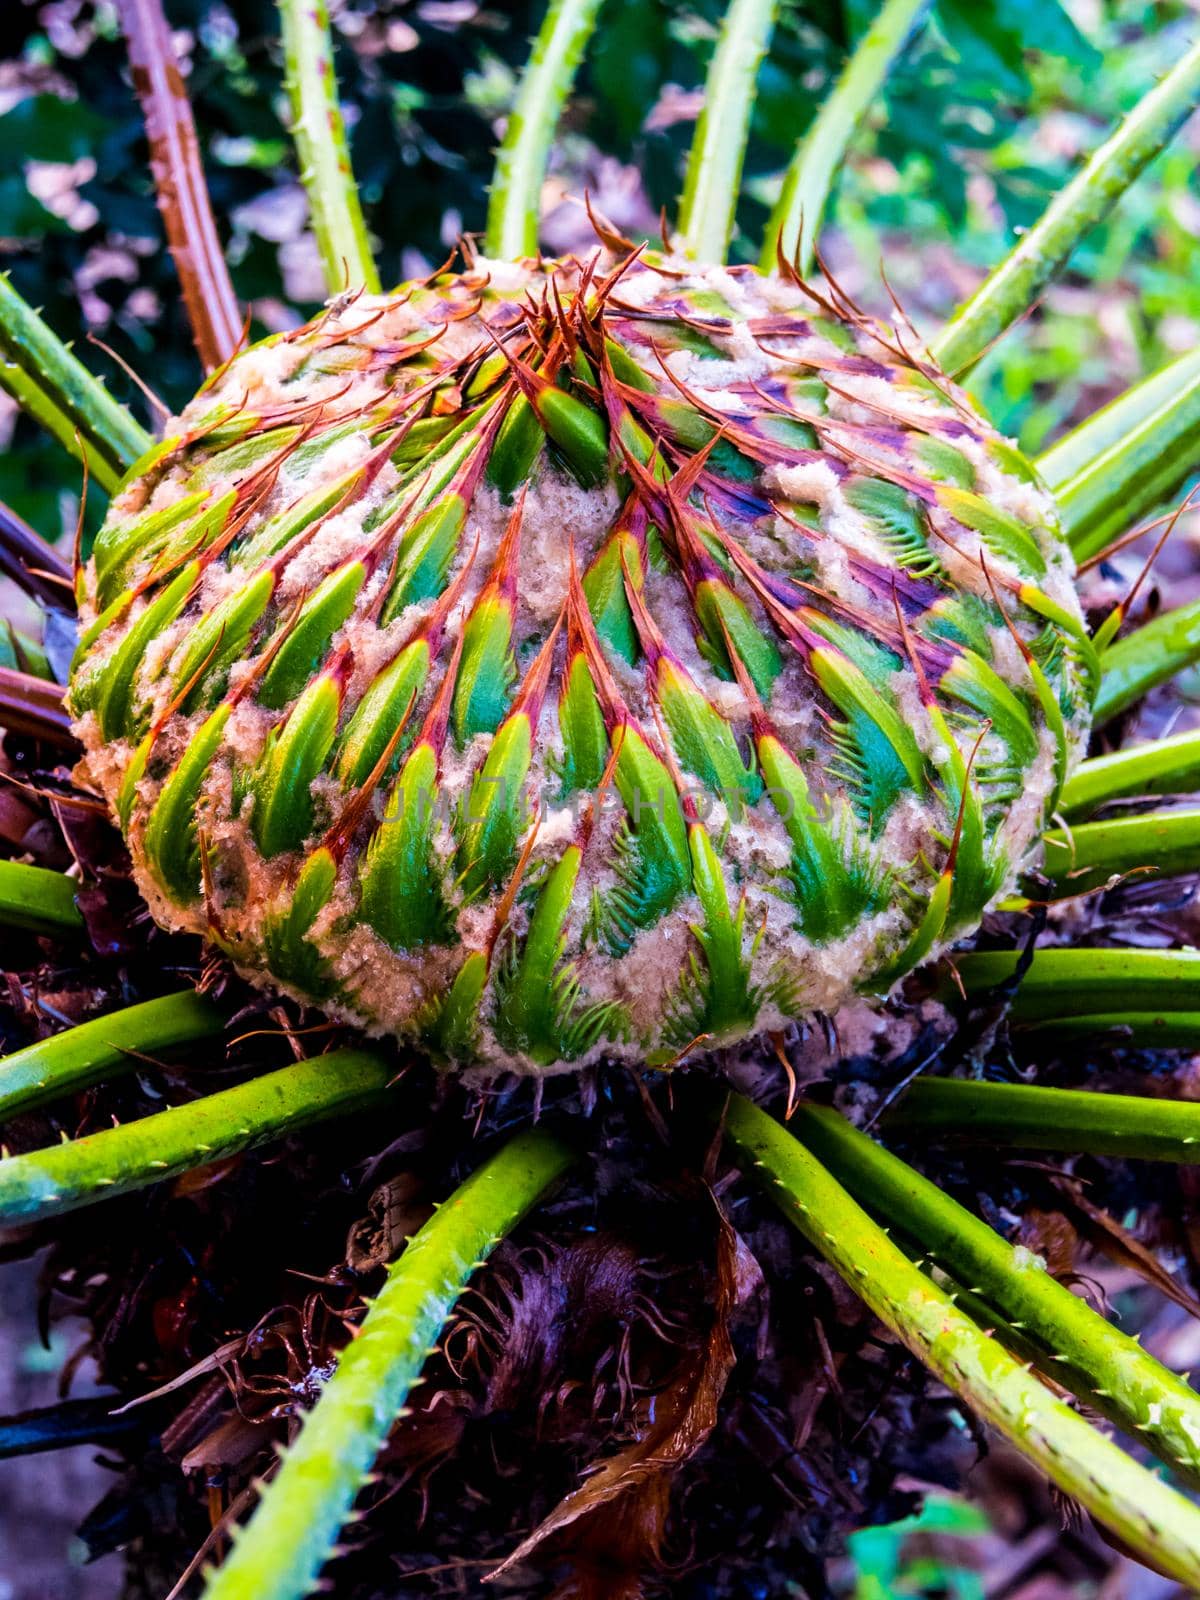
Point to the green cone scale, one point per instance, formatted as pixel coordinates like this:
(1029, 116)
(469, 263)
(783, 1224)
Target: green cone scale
(646, 655)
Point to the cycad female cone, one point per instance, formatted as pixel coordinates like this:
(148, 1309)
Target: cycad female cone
(568, 659)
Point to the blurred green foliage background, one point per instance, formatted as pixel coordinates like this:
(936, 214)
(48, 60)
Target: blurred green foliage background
(989, 111)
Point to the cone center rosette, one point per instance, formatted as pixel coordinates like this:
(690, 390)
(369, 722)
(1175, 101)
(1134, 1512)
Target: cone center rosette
(567, 659)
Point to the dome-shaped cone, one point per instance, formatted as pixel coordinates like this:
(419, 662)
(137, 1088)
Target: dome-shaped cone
(676, 617)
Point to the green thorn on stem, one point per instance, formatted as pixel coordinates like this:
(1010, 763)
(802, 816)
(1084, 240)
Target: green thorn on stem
(1081, 1121)
(54, 386)
(1149, 656)
(67, 1176)
(1045, 248)
(322, 148)
(1151, 1518)
(37, 899)
(1079, 1348)
(714, 170)
(1128, 459)
(99, 1049)
(1164, 766)
(280, 1553)
(524, 153)
(796, 220)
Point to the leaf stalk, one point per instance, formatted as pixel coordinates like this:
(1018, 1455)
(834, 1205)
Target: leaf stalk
(280, 1553)
(1139, 1508)
(1046, 247)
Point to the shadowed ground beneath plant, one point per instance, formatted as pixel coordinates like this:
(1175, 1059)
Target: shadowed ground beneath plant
(41, 1496)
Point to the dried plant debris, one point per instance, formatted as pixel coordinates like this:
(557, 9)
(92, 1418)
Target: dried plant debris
(594, 1349)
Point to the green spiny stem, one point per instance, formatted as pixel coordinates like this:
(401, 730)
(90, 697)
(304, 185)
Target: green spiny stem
(280, 1553)
(1016, 283)
(1128, 458)
(1133, 477)
(524, 153)
(1150, 655)
(1156, 844)
(39, 406)
(1085, 982)
(49, 1182)
(1030, 1350)
(43, 376)
(1078, 1120)
(1165, 766)
(1108, 426)
(96, 1050)
(714, 170)
(796, 220)
(37, 899)
(1142, 1511)
(322, 148)
(1086, 1354)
